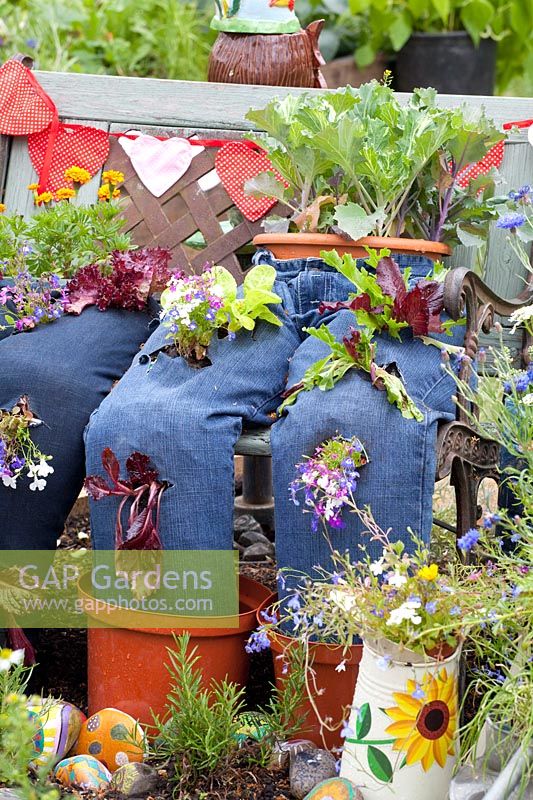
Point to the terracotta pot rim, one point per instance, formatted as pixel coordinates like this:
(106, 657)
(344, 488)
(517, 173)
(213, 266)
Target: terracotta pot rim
(257, 593)
(323, 653)
(332, 240)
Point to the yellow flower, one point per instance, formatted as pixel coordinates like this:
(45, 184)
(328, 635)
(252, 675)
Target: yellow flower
(78, 175)
(116, 193)
(112, 176)
(33, 187)
(65, 193)
(428, 573)
(44, 197)
(425, 720)
(2, 208)
(104, 192)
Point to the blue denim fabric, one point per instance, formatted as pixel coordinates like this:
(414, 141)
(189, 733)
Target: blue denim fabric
(188, 422)
(66, 368)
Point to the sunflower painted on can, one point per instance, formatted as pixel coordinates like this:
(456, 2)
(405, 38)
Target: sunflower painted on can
(425, 719)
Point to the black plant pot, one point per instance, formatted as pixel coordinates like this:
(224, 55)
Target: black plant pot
(449, 62)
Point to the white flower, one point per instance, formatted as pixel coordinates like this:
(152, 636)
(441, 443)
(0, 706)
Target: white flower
(10, 481)
(341, 667)
(407, 611)
(527, 399)
(44, 469)
(343, 599)
(38, 484)
(397, 580)
(10, 658)
(377, 567)
(520, 316)
(323, 482)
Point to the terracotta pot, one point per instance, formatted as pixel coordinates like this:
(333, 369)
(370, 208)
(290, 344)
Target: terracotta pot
(402, 736)
(345, 72)
(126, 666)
(339, 686)
(306, 245)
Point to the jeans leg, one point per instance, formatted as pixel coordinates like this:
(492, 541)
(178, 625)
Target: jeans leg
(188, 421)
(397, 483)
(66, 368)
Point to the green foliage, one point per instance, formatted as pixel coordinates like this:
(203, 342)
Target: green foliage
(61, 239)
(503, 688)
(368, 27)
(145, 38)
(17, 729)
(196, 307)
(200, 732)
(387, 169)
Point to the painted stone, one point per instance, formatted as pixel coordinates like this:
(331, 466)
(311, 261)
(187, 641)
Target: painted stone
(84, 771)
(309, 768)
(113, 737)
(334, 789)
(135, 780)
(281, 751)
(252, 726)
(60, 724)
(38, 736)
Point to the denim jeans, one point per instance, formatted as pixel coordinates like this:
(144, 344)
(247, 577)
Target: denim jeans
(188, 421)
(66, 368)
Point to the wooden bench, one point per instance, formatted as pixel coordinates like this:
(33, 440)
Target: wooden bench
(198, 221)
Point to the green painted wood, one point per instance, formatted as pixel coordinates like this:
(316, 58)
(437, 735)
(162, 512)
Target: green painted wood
(196, 104)
(5, 146)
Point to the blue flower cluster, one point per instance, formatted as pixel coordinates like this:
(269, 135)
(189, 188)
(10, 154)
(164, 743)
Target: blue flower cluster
(521, 383)
(521, 193)
(513, 219)
(468, 540)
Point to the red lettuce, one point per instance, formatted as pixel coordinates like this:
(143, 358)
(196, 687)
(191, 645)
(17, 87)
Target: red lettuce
(124, 284)
(420, 306)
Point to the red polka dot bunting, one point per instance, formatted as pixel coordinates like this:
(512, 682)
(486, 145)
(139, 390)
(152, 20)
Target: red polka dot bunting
(74, 145)
(491, 159)
(24, 105)
(237, 163)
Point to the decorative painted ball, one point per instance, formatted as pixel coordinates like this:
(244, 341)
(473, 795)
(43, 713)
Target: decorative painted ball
(113, 737)
(60, 725)
(84, 771)
(255, 16)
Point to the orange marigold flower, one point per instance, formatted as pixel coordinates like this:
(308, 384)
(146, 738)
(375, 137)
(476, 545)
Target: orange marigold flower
(44, 197)
(112, 176)
(65, 193)
(104, 192)
(33, 187)
(2, 208)
(77, 175)
(116, 193)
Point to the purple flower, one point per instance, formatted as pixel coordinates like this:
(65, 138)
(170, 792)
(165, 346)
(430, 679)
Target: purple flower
(17, 463)
(513, 219)
(431, 607)
(257, 642)
(468, 540)
(31, 43)
(418, 693)
(490, 520)
(521, 193)
(455, 611)
(346, 730)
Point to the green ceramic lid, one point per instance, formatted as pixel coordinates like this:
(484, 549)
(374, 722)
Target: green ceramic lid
(255, 16)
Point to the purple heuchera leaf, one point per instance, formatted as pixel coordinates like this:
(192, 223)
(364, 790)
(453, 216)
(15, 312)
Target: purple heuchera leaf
(126, 286)
(140, 469)
(143, 493)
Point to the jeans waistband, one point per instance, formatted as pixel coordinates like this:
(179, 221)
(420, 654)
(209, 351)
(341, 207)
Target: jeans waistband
(290, 267)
